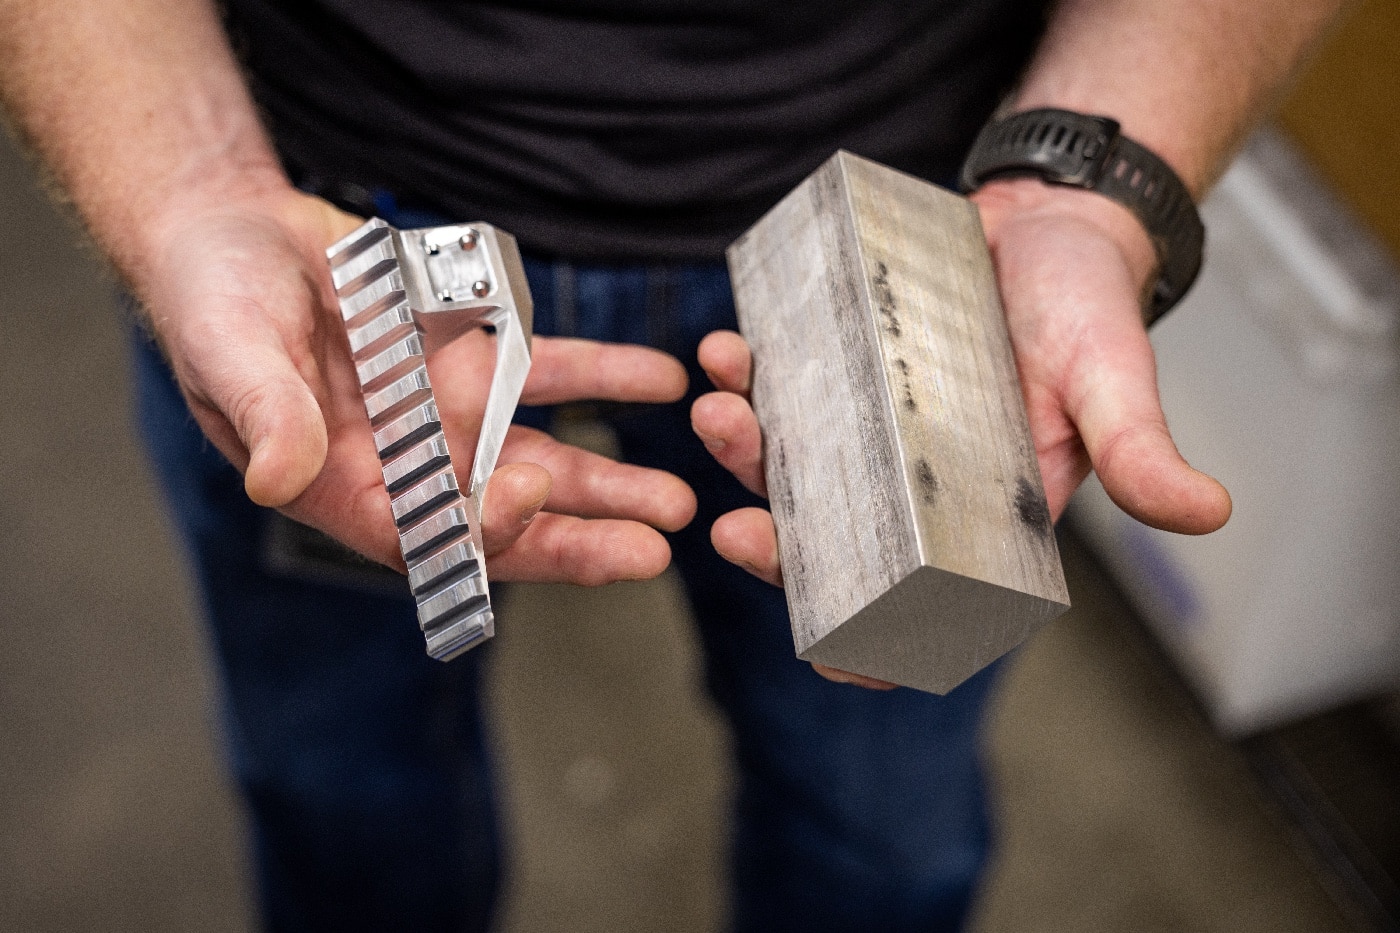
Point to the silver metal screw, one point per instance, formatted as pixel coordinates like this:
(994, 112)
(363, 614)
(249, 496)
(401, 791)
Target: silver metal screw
(480, 288)
(468, 240)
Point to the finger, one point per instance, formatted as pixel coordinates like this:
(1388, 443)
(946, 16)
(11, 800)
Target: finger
(846, 677)
(727, 360)
(1070, 270)
(568, 370)
(513, 497)
(588, 552)
(593, 486)
(1062, 470)
(1114, 403)
(242, 371)
(746, 537)
(726, 425)
(288, 442)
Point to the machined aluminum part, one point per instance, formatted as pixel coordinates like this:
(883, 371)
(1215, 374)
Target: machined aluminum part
(402, 293)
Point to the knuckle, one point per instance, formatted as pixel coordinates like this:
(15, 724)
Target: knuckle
(246, 406)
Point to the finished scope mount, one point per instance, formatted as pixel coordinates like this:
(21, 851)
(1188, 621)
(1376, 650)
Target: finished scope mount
(391, 285)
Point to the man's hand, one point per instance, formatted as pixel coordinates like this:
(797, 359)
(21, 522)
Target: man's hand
(241, 302)
(161, 150)
(1186, 79)
(1072, 267)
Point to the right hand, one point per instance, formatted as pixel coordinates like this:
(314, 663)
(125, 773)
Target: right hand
(240, 299)
(1071, 267)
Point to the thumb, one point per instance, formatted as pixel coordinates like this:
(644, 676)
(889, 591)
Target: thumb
(286, 440)
(258, 410)
(514, 495)
(1119, 415)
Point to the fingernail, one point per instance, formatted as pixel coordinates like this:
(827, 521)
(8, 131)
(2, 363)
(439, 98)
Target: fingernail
(748, 565)
(527, 514)
(713, 444)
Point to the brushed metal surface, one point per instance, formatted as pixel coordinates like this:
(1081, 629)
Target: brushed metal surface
(403, 292)
(915, 540)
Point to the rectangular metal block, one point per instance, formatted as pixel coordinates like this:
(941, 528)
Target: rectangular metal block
(915, 540)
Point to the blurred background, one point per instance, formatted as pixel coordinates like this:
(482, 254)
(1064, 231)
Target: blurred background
(1206, 742)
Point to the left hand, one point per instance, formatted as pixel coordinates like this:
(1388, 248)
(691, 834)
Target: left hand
(1072, 267)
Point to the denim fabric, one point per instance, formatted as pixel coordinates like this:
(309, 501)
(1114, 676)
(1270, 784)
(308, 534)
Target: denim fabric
(366, 766)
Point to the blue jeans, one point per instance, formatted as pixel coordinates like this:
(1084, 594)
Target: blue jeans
(366, 767)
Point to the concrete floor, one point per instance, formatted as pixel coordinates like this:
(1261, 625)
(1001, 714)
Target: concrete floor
(1119, 810)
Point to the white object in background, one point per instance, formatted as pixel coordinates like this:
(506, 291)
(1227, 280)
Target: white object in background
(1279, 376)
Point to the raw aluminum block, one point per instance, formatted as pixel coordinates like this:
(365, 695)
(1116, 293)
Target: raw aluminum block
(915, 540)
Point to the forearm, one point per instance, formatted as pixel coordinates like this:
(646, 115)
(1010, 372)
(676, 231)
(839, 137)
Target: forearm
(138, 109)
(1186, 78)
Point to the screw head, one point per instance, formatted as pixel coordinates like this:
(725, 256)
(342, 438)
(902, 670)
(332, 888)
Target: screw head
(480, 288)
(468, 240)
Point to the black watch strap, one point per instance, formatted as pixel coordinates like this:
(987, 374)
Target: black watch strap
(1066, 148)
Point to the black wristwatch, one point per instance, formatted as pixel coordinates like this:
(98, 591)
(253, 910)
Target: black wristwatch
(1066, 148)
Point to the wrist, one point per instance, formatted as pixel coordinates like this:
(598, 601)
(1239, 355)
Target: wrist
(1090, 152)
(1191, 164)
(241, 227)
(175, 211)
(1004, 202)
(187, 145)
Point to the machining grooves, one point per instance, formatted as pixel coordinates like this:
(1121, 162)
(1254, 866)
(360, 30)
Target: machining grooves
(382, 292)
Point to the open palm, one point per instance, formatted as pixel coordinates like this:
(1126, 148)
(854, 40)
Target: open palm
(241, 302)
(1071, 267)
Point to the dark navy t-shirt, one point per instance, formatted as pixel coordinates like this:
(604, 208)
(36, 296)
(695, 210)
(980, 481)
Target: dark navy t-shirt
(622, 128)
